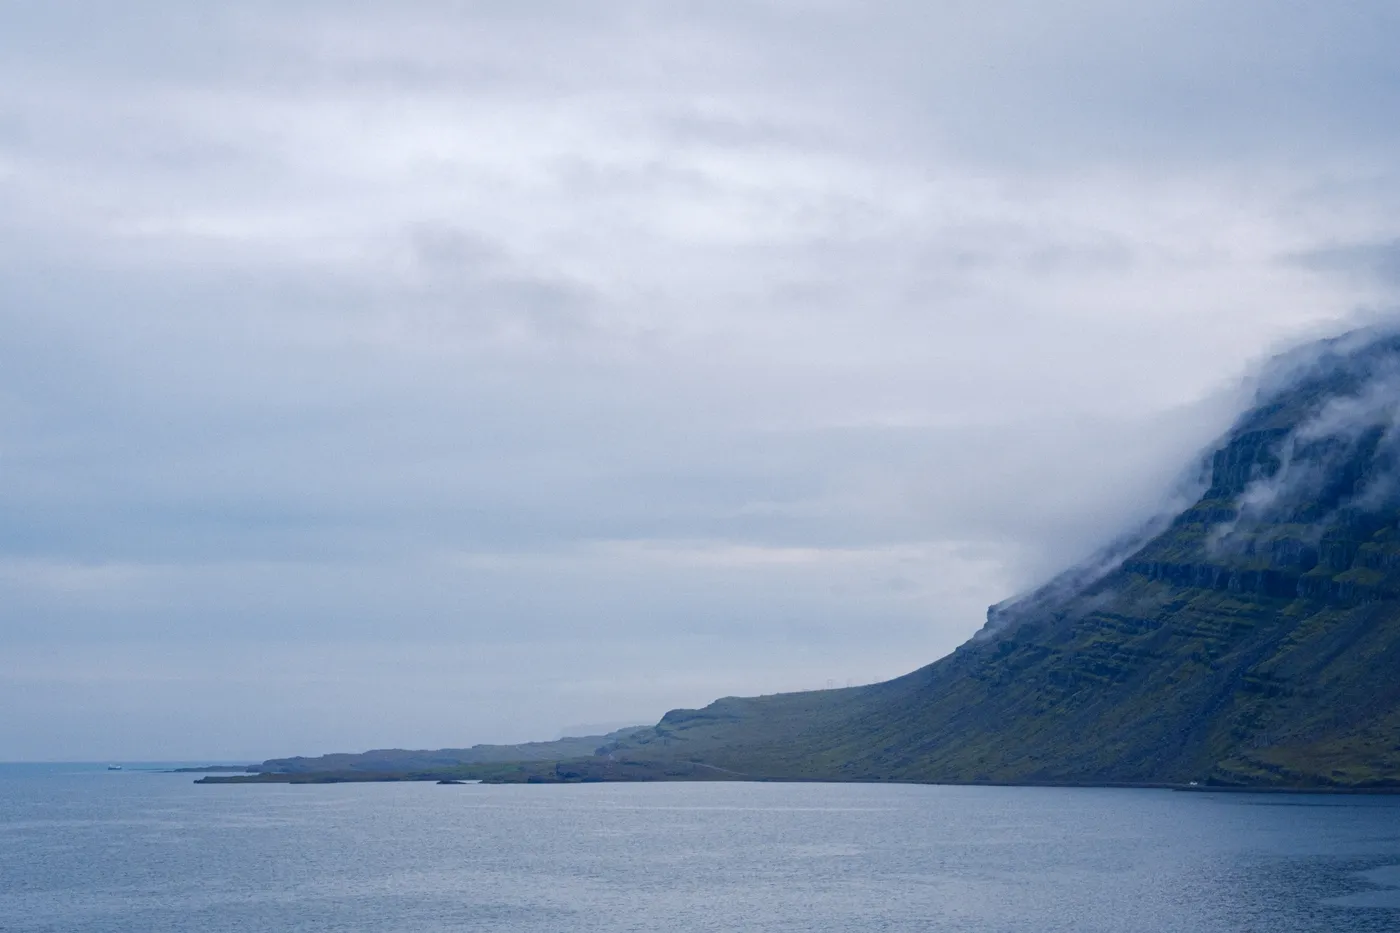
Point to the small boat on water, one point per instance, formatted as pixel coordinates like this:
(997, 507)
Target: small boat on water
(114, 767)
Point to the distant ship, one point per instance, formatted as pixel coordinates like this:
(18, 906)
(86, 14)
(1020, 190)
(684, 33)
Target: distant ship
(114, 767)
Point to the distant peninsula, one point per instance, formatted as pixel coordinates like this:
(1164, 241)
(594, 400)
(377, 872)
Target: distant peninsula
(1251, 640)
(479, 762)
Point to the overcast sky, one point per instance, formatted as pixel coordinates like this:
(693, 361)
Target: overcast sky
(424, 374)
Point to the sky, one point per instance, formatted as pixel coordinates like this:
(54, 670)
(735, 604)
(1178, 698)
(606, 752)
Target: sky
(433, 373)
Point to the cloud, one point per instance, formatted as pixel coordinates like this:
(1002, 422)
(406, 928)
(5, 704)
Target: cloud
(1378, 261)
(699, 349)
(1339, 456)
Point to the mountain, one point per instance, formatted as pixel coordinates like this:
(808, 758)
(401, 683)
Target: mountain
(1252, 639)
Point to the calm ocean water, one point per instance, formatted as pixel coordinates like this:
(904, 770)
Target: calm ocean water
(83, 849)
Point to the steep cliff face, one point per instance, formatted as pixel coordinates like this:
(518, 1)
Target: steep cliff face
(1252, 639)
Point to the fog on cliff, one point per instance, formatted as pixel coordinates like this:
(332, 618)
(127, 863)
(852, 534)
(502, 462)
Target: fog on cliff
(426, 374)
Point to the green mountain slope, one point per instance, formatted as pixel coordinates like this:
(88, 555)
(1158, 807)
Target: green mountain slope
(1254, 639)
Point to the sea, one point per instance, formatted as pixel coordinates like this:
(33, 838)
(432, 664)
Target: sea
(87, 850)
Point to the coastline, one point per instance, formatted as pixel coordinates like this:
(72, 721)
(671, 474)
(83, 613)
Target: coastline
(455, 778)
